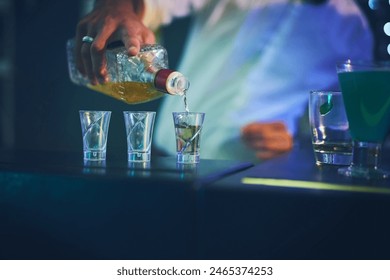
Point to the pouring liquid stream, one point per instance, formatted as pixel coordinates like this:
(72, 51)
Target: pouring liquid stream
(185, 102)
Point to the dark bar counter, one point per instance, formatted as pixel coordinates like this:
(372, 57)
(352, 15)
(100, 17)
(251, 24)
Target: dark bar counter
(288, 208)
(55, 206)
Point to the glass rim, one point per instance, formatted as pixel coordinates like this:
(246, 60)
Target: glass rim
(138, 112)
(361, 64)
(325, 92)
(93, 111)
(364, 61)
(189, 113)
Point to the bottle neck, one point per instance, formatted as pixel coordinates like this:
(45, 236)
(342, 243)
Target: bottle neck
(170, 81)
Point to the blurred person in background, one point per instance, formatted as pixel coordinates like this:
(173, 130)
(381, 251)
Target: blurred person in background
(251, 63)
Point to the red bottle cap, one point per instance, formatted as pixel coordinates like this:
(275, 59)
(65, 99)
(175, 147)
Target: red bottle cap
(160, 82)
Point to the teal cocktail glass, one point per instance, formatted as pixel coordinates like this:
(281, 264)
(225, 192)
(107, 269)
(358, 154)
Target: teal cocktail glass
(365, 86)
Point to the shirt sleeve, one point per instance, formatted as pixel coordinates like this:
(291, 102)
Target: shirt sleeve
(161, 12)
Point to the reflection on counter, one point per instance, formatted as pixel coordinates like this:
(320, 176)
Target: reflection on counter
(138, 168)
(187, 170)
(94, 167)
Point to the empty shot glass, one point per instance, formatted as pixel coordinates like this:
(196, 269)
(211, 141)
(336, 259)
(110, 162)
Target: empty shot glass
(139, 132)
(331, 138)
(188, 127)
(94, 127)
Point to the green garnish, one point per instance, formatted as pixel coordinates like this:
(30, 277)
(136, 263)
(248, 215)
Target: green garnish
(327, 106)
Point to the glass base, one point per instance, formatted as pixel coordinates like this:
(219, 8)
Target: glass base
(365, 162)
(95, 155)
(333, 158)
(187, 158)
(138, 156)
(363, 172)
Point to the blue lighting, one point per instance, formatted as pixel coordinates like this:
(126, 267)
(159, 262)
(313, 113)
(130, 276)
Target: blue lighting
(374, 4)
(386, 28)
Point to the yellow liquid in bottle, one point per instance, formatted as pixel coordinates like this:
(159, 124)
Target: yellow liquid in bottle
(129, 92)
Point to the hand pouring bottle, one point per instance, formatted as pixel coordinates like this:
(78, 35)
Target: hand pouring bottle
(133, 79)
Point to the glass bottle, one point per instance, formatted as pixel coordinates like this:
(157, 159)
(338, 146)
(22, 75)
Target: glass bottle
(135, 79)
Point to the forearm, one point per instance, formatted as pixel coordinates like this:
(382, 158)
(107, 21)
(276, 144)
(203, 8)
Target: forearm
(137, 6)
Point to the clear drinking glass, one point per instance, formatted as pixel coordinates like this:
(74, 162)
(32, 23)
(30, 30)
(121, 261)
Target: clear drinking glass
(94, 127)
(330, 135)
(366, 92)
(188, 127)
(139, 131)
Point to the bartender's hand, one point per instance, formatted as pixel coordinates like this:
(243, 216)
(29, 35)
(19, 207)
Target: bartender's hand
(110, 20)
(267, 139)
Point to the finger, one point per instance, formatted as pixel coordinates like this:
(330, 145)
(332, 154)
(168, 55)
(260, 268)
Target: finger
(81, 30)
(133, 45)
(254, 128)
(98, 61)
(98, 47)
(87, 62)
(281, 143)
(132, 37)
(265, 155)
(250, 132)
(149, 37)
(258, 129)
(279, 126)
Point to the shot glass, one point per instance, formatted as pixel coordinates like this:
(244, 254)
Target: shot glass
(139, 131)
(188, 127)
(94, 127)
(331, 139)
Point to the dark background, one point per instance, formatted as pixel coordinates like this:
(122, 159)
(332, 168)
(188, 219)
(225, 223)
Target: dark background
(38, 103)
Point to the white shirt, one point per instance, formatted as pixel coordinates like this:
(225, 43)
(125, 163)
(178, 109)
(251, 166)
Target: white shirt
(256, 61)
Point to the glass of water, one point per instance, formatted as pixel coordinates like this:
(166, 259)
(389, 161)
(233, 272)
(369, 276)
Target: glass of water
(188, 127)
